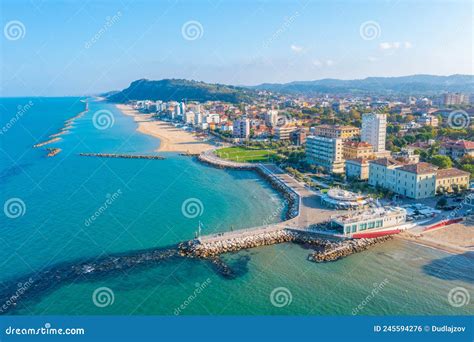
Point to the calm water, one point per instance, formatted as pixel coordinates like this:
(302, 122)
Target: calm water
(61, 194)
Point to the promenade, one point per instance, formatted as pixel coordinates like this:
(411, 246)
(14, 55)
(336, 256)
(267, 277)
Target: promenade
(308, 209)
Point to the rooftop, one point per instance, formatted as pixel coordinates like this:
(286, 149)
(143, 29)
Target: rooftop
(419, 168)
(357, 144)
(387, 162)
(369, 214)
(452, 172)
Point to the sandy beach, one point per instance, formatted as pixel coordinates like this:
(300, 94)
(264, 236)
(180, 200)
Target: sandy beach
(456, 238)
(172, 139)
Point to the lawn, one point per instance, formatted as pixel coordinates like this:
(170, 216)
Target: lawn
(242, 154)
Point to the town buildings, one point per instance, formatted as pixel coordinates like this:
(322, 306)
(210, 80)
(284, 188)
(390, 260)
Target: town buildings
(450, 180)
(455, 99)
(457, 149)
(241, 128)
(335, 131)
(357, 149)
(357, 168)
(325, 152)
(374, 130)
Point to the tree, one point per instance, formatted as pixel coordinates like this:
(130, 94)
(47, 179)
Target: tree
(443, 162)
(442, 202)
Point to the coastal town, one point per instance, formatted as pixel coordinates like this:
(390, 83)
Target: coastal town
(377, 166)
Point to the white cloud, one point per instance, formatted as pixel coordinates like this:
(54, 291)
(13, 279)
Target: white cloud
(296, 48)
(317, 63)
(395, 45)
(372, 59)
(329, 62)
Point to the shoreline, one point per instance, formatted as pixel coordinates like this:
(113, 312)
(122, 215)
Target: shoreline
(172, 139)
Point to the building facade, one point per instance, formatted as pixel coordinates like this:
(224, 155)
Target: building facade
(357, 168)
(336, 131)
(450, 180)
(357, 149)
(241, 128)
(374, 130)
(325, 152)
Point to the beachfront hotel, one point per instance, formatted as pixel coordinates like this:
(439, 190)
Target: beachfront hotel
(336, 131)
(374, 130)
(325, 152)
(372, 219)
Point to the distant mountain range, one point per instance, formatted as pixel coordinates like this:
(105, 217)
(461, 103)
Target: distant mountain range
(179, 89)
(416, 84)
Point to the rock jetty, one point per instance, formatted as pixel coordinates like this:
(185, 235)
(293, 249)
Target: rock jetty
(337, 250)
(53, 151)
(125, 156)
(195, 248)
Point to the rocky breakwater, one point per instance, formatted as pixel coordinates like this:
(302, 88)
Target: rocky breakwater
(291, 198)
(337, 250)
(212, 249)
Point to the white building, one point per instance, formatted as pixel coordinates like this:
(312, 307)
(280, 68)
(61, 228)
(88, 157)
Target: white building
(197, 118)
(376, 219)
(241, 128)
(283, 132)
(374, 130)
(189, 117)
(212, 118)
(325, 152)
(271, 118)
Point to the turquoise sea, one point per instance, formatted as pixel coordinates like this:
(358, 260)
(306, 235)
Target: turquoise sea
(69, 209)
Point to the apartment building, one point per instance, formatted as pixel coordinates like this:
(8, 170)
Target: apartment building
(325, 152)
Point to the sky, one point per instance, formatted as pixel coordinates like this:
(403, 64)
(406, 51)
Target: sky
(66, 47)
